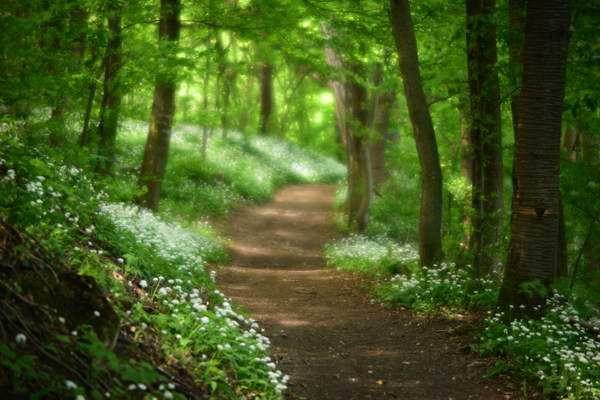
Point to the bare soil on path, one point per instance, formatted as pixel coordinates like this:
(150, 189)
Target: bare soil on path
(325, 332)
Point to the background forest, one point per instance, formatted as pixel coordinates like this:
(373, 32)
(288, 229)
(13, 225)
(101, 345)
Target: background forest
(462, 137)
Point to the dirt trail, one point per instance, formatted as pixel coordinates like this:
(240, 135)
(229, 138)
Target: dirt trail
(325, 332)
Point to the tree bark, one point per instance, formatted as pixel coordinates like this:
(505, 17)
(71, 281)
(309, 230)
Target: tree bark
(466, 171)
(111, 100)
(534, 247)
(267, 105)
(485, 134)
(156, 150)
(360, 183)
(379, 122)
(430, 220)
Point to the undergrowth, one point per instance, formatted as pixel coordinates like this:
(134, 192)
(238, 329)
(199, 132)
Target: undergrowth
(102, 299)
(233, 170)
(560, 351)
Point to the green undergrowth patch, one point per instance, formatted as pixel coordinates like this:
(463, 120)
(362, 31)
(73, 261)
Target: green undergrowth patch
(100, 299)
(445, 286)
(234, 170)
(379, 255)
(560, 352)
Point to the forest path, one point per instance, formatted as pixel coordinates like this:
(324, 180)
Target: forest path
(325, 332)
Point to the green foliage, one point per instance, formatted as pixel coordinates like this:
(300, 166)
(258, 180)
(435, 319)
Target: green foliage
(559, 351)
(155, 274)
(234, 170)
(441, 286)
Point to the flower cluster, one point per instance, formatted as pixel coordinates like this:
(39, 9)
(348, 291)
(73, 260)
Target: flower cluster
(170, 241)
(206, 323)
(364, 254)
(445, 284)
(561, 351)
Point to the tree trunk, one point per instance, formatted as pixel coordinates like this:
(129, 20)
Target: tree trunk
(111, 100)
(360, 186)
(379, 121)
(485, 134)
(266, 98)
(516, 15)
(466, 171)
(205, 128)
(244, 115)
(94, 70)
(534, 247)
(341, 99)
(156, 151)
(430, 220)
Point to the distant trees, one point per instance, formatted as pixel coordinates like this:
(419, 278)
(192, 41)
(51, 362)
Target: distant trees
(156, 150)
(534, 246)
(430, 220)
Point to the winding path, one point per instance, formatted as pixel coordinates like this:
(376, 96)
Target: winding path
(326, 334)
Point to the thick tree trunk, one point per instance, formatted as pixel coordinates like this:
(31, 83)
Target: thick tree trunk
(430, 220)
(516, 14)
(111, 100)
(156, 151)
(267, 105)
(485, 134)
(534, 248)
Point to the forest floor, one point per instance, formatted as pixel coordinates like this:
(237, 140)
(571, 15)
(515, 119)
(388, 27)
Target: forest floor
(325, 332)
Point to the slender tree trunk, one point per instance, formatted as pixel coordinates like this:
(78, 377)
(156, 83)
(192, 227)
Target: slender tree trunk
(485, 134)
(205, 128)
(340, 91)
(267, 101)
(156, 151)
(379, 121)
(244, 114)
(360, 182)
(111, 100)
(466, 171)
(91, 64)
(430, 220)
(534, 247)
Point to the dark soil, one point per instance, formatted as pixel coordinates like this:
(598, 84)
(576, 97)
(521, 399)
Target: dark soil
(326, 333)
